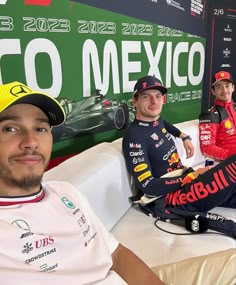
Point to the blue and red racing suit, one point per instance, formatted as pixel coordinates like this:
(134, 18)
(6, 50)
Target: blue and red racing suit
(151, 158)
(217, 130)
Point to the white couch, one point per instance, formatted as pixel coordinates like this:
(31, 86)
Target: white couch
(100, 174)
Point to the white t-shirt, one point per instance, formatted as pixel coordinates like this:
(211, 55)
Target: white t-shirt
(57, 240)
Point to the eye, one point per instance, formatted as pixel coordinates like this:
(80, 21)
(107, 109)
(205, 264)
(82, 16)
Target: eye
(43, 129)
(145, 96)
(10, 129)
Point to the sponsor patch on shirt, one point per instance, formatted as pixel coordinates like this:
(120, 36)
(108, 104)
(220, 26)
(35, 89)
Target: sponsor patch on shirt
(140, 167)
(144, 176)
(154, 136)
(135, 145)
(143, 124)
(228, 124)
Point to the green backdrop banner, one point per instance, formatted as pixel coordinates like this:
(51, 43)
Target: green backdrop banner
(68, 50)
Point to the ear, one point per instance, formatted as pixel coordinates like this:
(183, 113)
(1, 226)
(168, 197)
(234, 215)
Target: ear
(213, 91)
(134, 101)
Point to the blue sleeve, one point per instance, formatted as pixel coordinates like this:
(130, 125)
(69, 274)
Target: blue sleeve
(172, 129)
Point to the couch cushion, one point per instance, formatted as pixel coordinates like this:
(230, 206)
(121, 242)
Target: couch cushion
(190, 128)
(100, 174)
(218, 268)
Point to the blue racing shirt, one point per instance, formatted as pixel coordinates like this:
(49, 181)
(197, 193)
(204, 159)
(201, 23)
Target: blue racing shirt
(150, 153)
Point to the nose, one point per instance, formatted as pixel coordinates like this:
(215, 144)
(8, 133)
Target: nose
(153, 99)
(224, 88)
(29, 140)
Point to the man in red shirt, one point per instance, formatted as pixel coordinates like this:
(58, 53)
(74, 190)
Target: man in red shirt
(217, 126)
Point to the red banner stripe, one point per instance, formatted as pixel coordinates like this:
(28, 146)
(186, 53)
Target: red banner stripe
(38, 2)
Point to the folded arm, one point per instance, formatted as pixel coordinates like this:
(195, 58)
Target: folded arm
(188, 146)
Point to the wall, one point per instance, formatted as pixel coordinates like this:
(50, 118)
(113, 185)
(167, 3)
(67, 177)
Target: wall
(69, 49)
(220, 49)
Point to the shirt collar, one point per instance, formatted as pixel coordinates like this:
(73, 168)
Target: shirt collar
(9, 201)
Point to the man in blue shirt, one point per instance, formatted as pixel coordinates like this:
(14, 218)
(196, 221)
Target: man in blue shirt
(166, 188)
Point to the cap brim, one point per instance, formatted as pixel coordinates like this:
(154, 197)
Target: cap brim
(47, 104)
(222, 80)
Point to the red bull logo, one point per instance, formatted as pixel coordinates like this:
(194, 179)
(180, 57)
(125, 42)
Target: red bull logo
(174, 158)
(199, 190)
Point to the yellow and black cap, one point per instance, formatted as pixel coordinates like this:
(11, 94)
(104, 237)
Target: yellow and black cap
(18, 93)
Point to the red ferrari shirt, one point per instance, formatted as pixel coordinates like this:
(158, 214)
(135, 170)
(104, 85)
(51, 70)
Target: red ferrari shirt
(217, 130)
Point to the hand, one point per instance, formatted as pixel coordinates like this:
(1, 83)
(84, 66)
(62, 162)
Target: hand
(189, 148)
(193, 175)
(201, 170)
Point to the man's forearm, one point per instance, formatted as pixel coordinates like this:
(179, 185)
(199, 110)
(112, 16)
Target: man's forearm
(132, 269)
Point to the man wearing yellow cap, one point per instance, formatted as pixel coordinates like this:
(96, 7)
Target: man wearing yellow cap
(48, 232)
